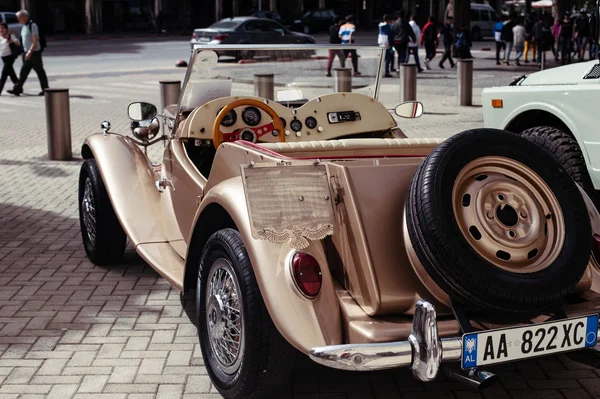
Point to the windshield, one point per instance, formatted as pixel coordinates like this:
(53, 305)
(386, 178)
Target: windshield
(299, 71)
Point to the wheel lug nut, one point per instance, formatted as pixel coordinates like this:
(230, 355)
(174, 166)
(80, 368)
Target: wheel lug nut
(490, 215)
(523, 214)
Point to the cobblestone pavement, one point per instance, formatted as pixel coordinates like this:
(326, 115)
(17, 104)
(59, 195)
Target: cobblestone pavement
(72, 329)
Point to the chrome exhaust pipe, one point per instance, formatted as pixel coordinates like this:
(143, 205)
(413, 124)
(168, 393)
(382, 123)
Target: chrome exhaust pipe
(475, 378)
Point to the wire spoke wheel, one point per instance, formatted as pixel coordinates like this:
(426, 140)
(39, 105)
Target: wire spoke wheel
(89, 211)
(508, 214)
(224, 316)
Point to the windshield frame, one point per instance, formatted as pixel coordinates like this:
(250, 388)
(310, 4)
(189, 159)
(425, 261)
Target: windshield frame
(221, 47)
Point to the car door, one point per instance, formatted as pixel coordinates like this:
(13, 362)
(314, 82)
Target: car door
(276, 33)
(255, 32)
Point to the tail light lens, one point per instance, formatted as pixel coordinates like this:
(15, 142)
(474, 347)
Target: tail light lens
(221, 37)
(307, 275)
(194, 35)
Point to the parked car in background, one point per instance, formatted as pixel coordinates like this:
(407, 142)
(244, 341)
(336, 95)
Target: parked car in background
(248, 30)
(314, 21)
(10, 19)
(483, 18)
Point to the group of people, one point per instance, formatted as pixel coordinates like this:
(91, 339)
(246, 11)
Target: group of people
(563, 38)
(403, 36)
(29, 46)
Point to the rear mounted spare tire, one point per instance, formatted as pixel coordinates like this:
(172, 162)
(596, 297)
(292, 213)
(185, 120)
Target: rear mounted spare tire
(497, 223)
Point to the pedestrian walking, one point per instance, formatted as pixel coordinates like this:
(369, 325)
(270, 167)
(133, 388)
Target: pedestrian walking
(529, 42)
(400, 36)
(32, 59)
(347, 36)
(519, 33)
(334, 38)
(383, 40)
(10, 48)
(429, 39)
(413, 46)
(447, 38)
(583, 34)
(566, 38)
(498, 38)
(463, 43)
(508, 37)
(593, 33)
(555, 35)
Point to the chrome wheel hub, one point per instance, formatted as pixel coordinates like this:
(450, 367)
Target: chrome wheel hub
(224, 319)
(88, 207)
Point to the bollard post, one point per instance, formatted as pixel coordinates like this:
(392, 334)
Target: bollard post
(543, 61)
(58, 123)
(408, 82)
(465, 82)
(169, 92)
(264, 86)
(343, 80)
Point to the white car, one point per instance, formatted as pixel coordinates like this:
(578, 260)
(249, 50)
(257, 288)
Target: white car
(10, 19)
(558, 110)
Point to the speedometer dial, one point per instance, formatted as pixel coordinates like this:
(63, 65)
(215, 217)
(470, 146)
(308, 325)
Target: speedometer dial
(229, 119)
(251, 116)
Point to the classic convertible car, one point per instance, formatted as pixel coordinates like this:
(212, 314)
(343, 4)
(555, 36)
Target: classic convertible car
(302, 220)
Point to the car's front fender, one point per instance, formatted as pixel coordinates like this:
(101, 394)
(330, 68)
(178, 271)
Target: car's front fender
(303, 322)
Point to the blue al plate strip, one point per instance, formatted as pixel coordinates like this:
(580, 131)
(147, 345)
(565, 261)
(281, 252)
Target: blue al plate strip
(591, 335)
(469, 358)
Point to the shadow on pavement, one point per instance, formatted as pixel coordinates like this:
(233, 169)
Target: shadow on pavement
(38, 168)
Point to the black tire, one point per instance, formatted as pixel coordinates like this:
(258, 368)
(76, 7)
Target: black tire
(109, 243)
(455, 265)
(566, 151)
(267, 359)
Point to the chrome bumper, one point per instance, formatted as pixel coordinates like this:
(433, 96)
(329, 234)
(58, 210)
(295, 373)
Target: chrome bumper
(423, 352)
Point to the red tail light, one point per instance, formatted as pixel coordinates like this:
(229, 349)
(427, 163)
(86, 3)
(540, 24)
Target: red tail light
(307, 275)
(194, 35)
(221, 36)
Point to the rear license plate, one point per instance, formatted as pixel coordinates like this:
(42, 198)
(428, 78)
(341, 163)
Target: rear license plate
(205, 39)
(508, 344)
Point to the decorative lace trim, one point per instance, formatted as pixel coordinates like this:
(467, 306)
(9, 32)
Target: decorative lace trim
(298, 236)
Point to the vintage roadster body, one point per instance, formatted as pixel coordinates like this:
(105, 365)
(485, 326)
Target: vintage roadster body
(303, 220)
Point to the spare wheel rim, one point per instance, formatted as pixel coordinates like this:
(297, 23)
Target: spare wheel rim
(508, 214)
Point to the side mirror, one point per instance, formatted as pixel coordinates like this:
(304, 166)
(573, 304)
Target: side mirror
(409, 109)
(141, 111)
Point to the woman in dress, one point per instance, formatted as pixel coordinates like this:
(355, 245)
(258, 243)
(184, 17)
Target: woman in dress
(8, 58)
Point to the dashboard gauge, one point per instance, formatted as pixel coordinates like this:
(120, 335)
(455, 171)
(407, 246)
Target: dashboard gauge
(283, 121)
(296, 125)
(248, 135)
(310, 122)
(251, 116)
(229, 119)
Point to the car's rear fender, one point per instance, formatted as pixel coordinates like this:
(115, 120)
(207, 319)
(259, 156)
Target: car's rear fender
(129, 179)
(303, 322)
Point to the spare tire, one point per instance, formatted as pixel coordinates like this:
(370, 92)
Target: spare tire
(497, 223)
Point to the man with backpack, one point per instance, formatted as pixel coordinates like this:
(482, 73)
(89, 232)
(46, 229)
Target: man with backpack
(334, 38)
(447, 38)
(400, 35)
(33, 45)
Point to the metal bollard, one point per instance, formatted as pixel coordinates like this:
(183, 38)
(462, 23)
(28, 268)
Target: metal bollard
(408, 82)
(465, 82)
(169, 92)
(543, 61)
(264, 86)
(58, 123)
(343, 80)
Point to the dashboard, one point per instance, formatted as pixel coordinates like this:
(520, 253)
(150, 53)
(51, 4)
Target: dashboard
(322, 118)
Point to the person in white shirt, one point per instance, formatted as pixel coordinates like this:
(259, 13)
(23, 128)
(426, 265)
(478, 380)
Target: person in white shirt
(8, 58)
(519, 41)
(413, 45)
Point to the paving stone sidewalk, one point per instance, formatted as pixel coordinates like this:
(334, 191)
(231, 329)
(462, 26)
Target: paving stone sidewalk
(72, 329)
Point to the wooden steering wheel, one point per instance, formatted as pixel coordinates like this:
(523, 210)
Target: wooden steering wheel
(275, 126)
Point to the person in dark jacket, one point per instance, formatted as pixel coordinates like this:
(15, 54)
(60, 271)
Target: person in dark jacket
(463, 43)
(400, 35)
(529, 43)
(565, 38)
(334, 38)
(447, 38)
(583, 36)
(508, 37)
